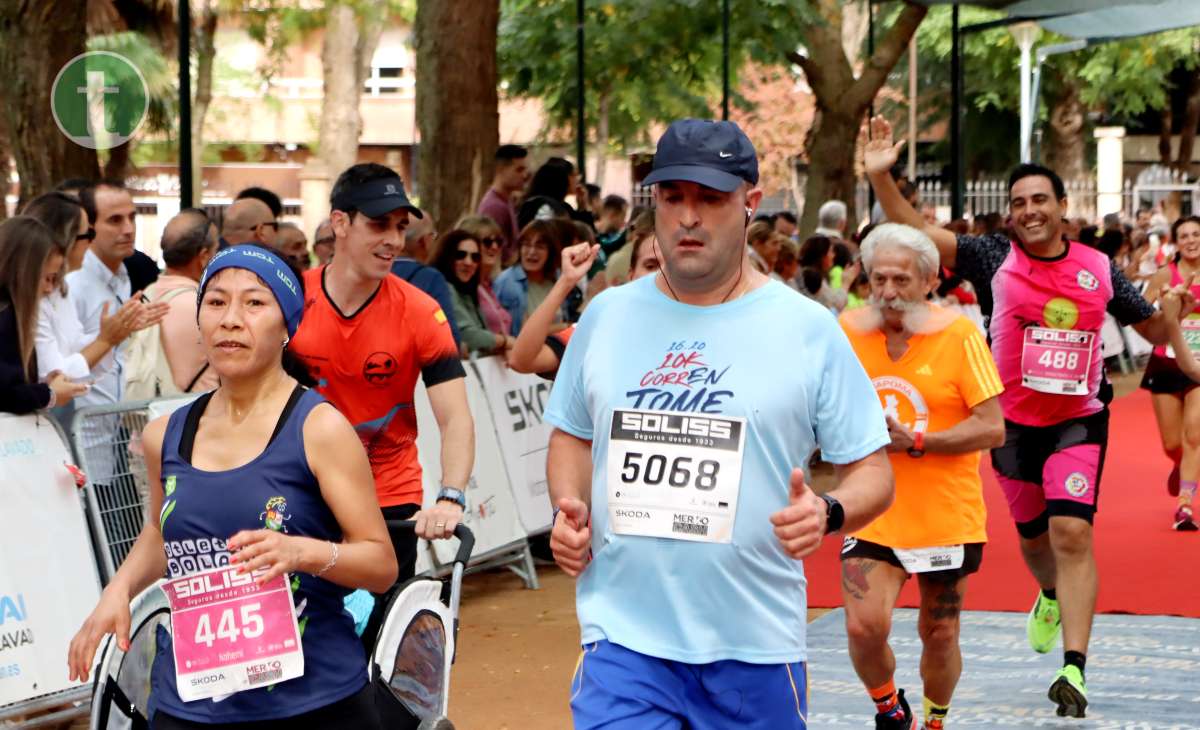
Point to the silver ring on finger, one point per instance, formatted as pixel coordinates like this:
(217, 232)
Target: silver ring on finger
(440, 525)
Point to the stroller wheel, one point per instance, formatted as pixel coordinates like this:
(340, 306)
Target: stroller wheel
(436, 723)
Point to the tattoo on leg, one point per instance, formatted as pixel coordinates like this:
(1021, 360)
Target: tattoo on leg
(947, 603)
(854, 577)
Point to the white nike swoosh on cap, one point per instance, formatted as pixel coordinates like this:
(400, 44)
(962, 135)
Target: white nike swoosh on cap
(725, 154)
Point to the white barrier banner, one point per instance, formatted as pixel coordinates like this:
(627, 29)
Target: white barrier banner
(515, 404)
(48, 578)
(490, 514)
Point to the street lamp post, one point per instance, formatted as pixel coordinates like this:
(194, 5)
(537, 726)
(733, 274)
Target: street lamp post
(581, 130)
(185, 105)
(1026, 35)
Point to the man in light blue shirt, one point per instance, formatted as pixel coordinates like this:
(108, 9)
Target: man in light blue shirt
(683, 406)
(103, 281)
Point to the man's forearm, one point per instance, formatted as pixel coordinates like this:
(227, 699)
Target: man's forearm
(895, 207)
(1156, 330)
(898, 210)
(569, 468)
(865, 489)
(538, 327)
(975, 433)
(458, 450)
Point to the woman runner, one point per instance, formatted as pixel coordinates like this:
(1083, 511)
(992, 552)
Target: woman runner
(1175, 396)
(263, 474)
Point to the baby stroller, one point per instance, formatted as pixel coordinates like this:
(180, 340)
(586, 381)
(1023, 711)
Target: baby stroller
(121, 680)
(409, 666)
(414, 649)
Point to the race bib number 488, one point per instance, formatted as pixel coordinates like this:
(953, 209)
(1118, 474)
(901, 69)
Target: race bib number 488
(674, 475)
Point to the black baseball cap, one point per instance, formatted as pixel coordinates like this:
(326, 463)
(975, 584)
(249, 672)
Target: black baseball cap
(377, 198)
(714, 154)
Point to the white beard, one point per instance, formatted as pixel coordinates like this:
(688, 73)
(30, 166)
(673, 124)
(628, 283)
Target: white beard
(918, 318)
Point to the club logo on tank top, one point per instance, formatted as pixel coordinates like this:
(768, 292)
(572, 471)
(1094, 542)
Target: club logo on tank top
(1061, 313)
(168, 503)
(1087, 280)
(275, 514)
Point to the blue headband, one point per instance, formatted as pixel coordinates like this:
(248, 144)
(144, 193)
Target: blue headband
(266, 266)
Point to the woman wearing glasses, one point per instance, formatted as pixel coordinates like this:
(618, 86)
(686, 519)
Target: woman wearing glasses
(62, 347)
(459, 259)
(491, 249)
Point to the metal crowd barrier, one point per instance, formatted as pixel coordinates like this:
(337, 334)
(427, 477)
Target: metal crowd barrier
(107, 443)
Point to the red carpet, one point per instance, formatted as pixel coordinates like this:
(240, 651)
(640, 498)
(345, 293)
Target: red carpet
(1145, 566)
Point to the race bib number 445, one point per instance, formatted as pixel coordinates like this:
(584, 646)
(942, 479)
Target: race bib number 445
(230, 635)
(674, 475)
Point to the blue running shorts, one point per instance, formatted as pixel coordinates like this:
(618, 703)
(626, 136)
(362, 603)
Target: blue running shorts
(615, 688)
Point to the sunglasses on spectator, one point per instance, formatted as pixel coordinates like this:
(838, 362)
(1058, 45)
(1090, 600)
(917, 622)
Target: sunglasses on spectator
(90, 235)
(327, 240)
(272, 224)
(460, 255)
(491, 241)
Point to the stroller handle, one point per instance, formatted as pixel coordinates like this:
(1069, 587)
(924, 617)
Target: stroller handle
(466, 538)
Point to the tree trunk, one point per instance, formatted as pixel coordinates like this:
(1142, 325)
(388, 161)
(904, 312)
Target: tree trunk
(37, 38)
(340, 123)
(598, 168)
(206, 51)
(1191, 118)
(5, 154)
(457, 104)
(117, 165)
(1067, 149)
(831, 170)
(842, 101)
(370, 29)
(1165, 121)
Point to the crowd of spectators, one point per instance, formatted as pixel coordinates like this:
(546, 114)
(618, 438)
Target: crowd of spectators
(88, 318)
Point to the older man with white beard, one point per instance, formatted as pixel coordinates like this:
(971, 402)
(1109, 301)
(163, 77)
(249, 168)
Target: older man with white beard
(939, 388)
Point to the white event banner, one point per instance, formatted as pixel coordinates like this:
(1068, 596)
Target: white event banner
(48, 576)
(516, 403)
(491, 513)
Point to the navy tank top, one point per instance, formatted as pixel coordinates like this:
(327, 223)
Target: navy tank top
(277, 491)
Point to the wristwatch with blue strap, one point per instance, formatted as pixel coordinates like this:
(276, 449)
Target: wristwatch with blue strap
(453, 494)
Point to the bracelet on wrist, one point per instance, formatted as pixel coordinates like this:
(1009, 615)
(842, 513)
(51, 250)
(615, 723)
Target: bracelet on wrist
(333, 558)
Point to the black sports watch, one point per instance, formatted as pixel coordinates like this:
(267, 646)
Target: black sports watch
(835, 515)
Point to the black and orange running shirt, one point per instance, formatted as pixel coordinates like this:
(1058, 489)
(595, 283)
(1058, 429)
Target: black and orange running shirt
(367, 363)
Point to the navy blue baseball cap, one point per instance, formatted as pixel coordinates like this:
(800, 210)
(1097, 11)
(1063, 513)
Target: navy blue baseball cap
(376, 198)
(717, 155)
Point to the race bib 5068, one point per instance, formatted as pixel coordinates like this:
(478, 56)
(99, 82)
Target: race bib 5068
(674, 475)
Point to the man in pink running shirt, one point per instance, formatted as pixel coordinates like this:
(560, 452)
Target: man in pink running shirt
(1044, 299)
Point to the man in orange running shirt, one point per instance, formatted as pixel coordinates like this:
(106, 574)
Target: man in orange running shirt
(939, 389)
(366, 337)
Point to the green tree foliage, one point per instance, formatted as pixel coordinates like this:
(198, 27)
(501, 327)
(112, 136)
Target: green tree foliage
(278, 24)
(1117, 81)
(653, 61)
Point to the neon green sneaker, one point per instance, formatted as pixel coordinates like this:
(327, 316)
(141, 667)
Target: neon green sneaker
(1044, 624)
(1069, 692)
